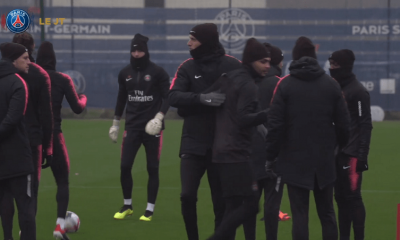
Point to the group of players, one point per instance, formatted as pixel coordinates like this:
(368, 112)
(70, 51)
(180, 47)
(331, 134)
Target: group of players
(250, 129)
(31, 138)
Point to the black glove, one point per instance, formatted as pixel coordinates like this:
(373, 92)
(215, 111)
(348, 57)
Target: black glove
(269, 166)
(46, 161)
(361, 166)
(212, 99)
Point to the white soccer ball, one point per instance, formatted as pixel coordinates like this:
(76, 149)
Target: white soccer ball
(72, 222)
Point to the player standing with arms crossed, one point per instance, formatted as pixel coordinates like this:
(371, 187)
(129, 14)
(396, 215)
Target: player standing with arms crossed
(143, 88)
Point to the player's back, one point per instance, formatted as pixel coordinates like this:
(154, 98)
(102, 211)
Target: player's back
(38, 83)
(61, 85)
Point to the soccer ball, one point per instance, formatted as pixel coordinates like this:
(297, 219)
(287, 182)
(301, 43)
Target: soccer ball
(72, 222)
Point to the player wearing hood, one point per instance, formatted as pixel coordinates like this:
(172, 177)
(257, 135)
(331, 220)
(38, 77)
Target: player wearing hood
(352, 161)
(307, 119)
(61, 86)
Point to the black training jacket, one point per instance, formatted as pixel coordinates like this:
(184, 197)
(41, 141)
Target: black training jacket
(39, 114)
(358, 104)
(15, 152)
(236, 119)
(308, 117)
(192, 78)
(266, 87)
(145, 93)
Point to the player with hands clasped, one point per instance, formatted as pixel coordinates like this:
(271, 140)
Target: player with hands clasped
(352, 159)
(143, 88)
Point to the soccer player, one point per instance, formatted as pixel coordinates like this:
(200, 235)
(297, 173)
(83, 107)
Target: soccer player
(192, 78)
(273, 188)
(39, 125)
(307, 118)
(143, 87)
(16, 166)
(61, 85)
(352, 159)
(235, 126)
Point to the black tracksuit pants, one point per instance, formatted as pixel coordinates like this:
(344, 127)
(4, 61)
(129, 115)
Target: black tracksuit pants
(193, 168)
(348, 198)
(21, 188)
(7, 204)
(299, 203)
(60, 169)
(240, 192)
(132, 140)
(273, 191)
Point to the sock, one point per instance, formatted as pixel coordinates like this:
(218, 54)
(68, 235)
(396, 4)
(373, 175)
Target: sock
(61, 221)
(127, 201)
(150, 207)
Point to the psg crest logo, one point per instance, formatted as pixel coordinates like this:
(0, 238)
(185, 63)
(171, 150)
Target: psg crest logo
(18, 21)
(147, 78)
(235, 27)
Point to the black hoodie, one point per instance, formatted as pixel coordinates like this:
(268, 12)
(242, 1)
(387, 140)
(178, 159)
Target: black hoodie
(307, 119)
(61, 85)
(15, 153)
(266, 87)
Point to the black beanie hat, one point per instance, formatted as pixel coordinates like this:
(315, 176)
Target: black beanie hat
(206, 34)
(303, 48)
(276, 54)
(139, 42)
(254, 51)
(46, 58)
(12, 51)
(345, 58)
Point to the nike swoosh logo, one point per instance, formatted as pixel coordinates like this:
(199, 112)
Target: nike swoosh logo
(346, 167)
(197, 76)
(135, 45)
(208, 100)
(157, 135)
(128, 79)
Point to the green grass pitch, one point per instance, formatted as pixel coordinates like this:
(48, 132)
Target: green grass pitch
(95, 192)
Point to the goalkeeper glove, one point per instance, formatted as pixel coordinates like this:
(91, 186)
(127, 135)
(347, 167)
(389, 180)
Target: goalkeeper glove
(153, 127)
(114, 129)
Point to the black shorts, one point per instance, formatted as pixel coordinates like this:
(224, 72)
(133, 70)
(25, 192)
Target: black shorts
(237, 179)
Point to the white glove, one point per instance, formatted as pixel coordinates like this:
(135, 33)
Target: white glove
(153, 127)
(114, 129)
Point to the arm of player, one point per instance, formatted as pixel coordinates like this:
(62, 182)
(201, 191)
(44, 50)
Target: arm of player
(119, 108)
(365, 125)
(179, 95)
(16, 109)
(247, 106)
(341, 119)
(46, 115)
(77, 102)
